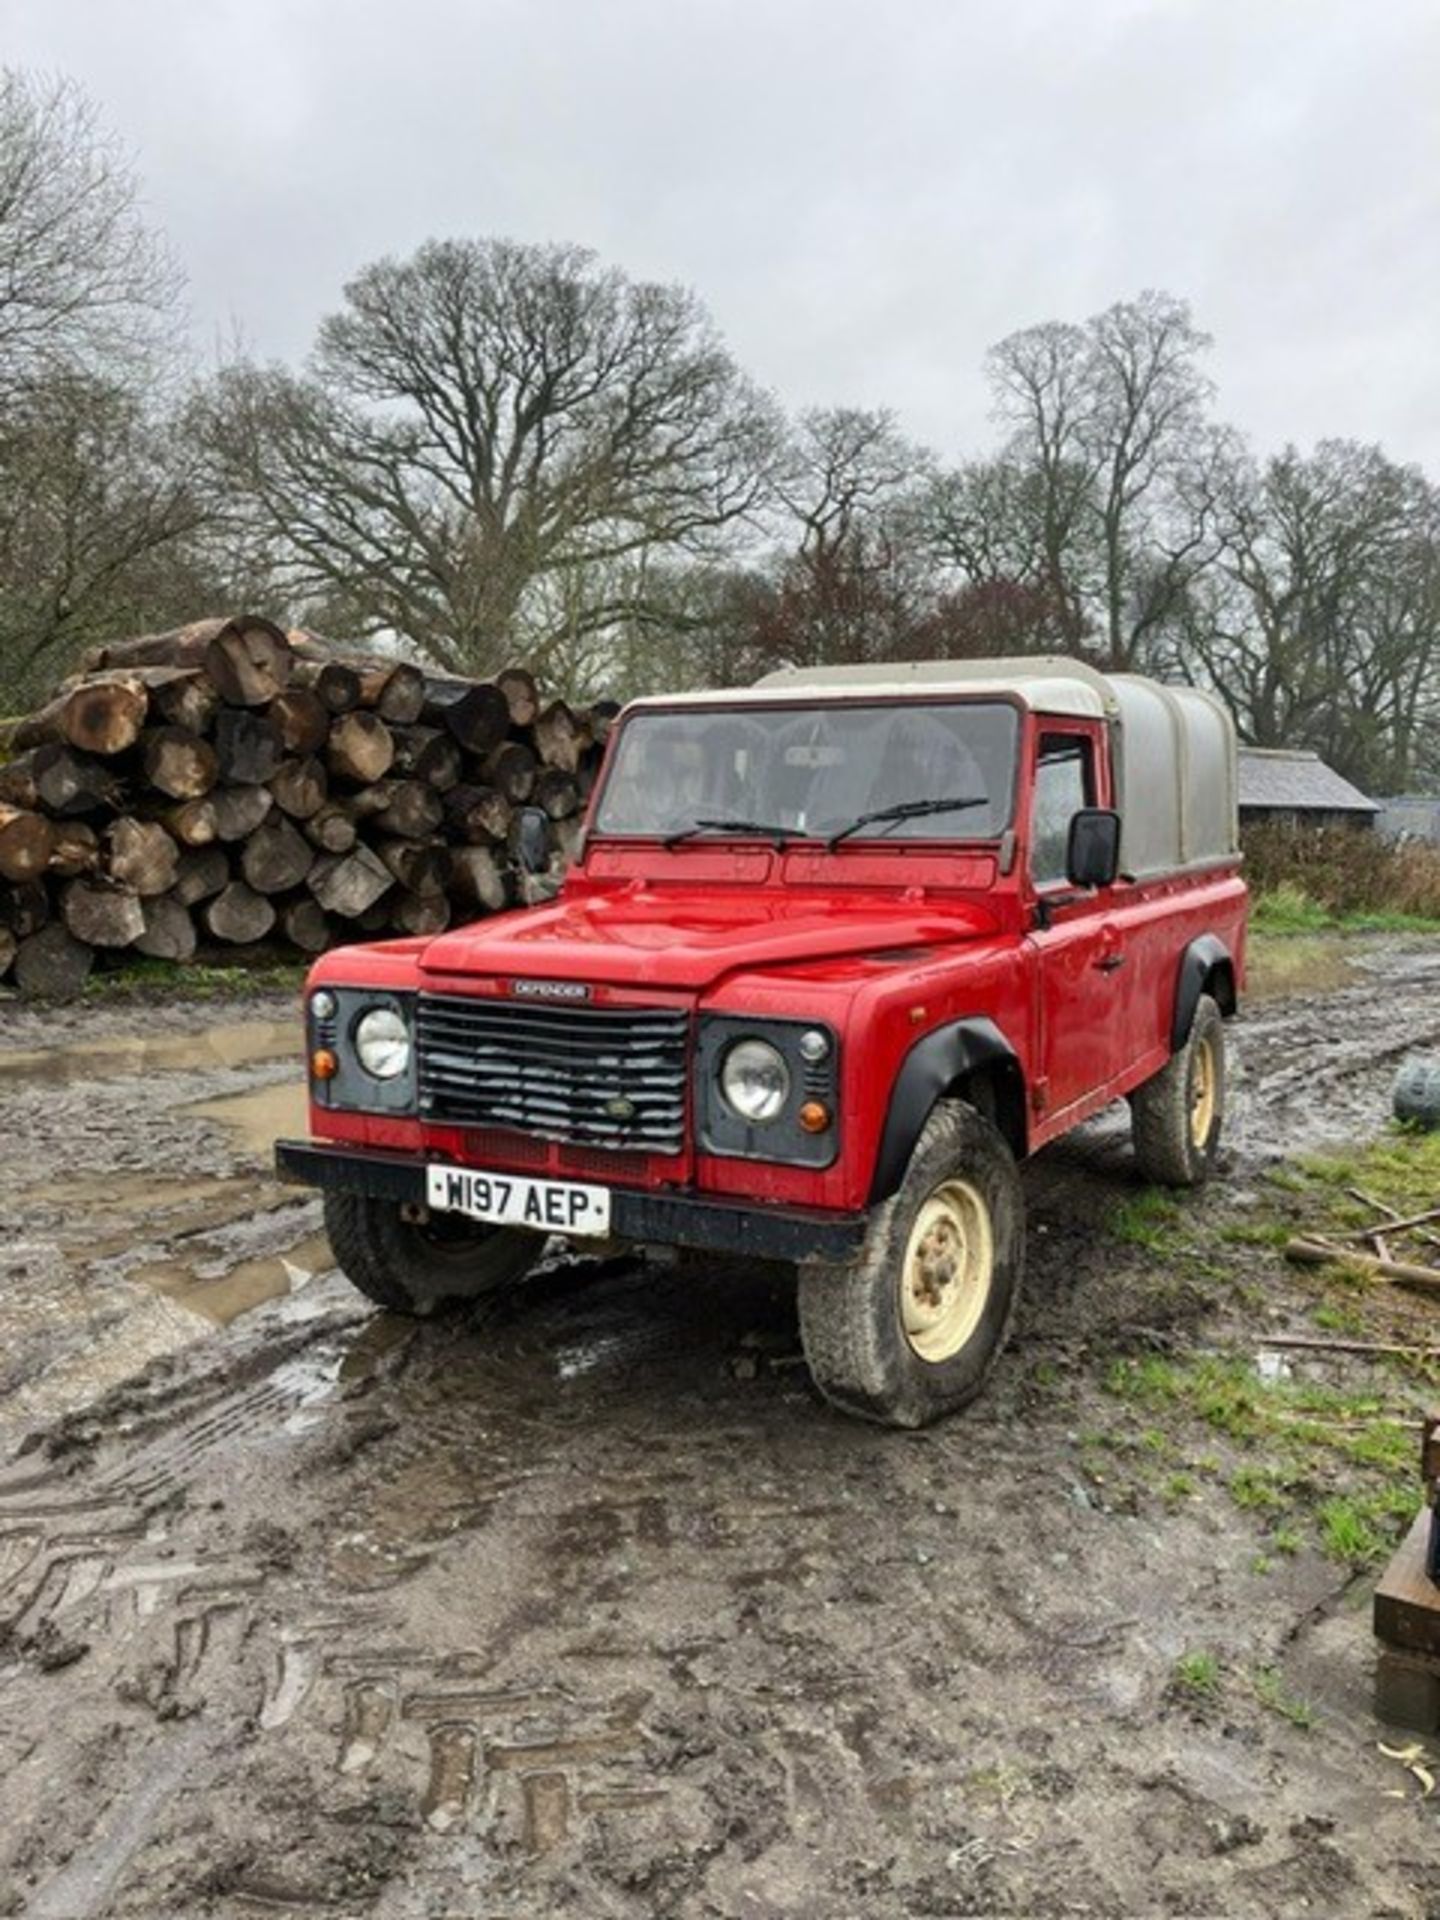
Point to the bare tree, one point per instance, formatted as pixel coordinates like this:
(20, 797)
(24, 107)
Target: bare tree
(1320, 626)
(99, 509)
(486, 419)
(1107, 469)
(83, 282)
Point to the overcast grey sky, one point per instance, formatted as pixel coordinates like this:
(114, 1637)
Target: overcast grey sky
(865, 195)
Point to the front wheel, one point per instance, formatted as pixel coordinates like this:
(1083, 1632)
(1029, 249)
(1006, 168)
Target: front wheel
(909, 1330)
(1177, 1115)
(416, 1266)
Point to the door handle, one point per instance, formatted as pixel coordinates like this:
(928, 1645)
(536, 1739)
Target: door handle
(1111, 963)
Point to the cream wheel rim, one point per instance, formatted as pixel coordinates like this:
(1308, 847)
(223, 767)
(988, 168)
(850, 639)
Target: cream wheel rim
(949, 1264)
(1202, 1091)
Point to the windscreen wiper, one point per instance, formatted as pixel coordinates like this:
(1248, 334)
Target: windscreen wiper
(907, 810)
(779, 835)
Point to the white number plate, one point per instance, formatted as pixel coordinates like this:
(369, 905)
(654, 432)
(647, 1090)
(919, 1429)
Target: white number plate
(510, 1200)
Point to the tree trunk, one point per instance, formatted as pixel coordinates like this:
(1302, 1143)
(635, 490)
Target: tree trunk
(17, 783)
(478, 814)
(332, 829)
(182, 696)
(418, 866)
(239, 810)
(142, 856)
(247, 658)
(335, 685)
(559, 737)
(511, 770)
(102, 914)
(52, 964)
(427, 753)
(276, 857)
(191, 822)
(302, 720)
(417, 913)
(68, 782)
(169, 931)
(200, 873)
(476, 876)
(305, 925)
(8, 944)
(395, 690)
(300, 788)
(476, 712)
(349, 883)
(239, 916)
(521, 695)
(24, 909)
(415, 810)
(360, 748)
(98, 716)
(558, 793)
(179, 763)
(249, 747)
(76, 849)
(27, 841)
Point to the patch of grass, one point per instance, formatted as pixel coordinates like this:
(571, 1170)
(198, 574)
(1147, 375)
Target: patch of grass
(1271, 1692)
(1362, 1528)
(1287, 908)
(1258, 1489)
(1255, 1233)
(1178, 1488)
(142, 979)
(1337, 1318)
(1146, 1220)
(1286, 1540)
(1197, 1675)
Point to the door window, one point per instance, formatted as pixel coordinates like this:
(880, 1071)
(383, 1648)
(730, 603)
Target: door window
(1064, 784)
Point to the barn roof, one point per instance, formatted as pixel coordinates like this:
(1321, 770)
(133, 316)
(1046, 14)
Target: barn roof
(1295, 780)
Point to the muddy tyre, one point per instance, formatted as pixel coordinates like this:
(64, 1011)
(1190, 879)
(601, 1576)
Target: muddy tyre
(1176, 1117)
(909, 1330)
(416, 1269)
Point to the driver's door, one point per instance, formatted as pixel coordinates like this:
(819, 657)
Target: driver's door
(1081, 1002)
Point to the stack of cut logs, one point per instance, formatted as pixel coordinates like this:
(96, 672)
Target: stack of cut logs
(230, 785)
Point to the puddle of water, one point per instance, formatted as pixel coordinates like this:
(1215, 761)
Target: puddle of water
(243, 1043)
(223, 1297)
(261, 1117)
(1299, 963)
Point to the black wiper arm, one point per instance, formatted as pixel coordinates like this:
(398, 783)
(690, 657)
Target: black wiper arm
(780, 835)
(907, 810)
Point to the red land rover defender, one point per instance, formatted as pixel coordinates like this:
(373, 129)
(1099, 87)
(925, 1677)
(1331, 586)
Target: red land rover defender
(841, 949)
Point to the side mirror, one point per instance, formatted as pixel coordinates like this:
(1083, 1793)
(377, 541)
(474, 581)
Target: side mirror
(532, 839)
(1092, 857)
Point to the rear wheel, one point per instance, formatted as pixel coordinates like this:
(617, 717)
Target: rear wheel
(416, 1266)
(909, 1330)
(1177, 1116)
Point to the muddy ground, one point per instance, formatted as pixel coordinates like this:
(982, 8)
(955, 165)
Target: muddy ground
(584, 1604)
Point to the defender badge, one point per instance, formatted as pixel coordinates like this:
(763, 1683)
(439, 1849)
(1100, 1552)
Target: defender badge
(549, 990)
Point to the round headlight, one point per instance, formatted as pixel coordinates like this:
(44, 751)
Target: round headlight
(382, 1043)
(322, 1004)
(755, 1081)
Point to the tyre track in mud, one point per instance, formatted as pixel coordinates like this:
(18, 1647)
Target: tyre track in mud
(583, 1605)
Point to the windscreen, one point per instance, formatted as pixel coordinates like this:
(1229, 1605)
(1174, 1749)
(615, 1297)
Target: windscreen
(814, 771)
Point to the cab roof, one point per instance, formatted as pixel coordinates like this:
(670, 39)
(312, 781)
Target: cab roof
(1047, 683)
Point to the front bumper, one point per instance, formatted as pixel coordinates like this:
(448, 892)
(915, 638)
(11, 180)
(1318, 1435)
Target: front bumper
(655, 1219)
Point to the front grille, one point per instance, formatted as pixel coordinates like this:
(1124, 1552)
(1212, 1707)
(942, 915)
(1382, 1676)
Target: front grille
(588, 1076)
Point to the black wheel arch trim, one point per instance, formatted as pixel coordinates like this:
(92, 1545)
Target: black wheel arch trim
(933, 1064)
(1198, 962)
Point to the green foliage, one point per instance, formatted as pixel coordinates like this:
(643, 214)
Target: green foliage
(1308, 880)
(1271, 1692)
(1197, 1675)
(142, 979)
(1146, 1220)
